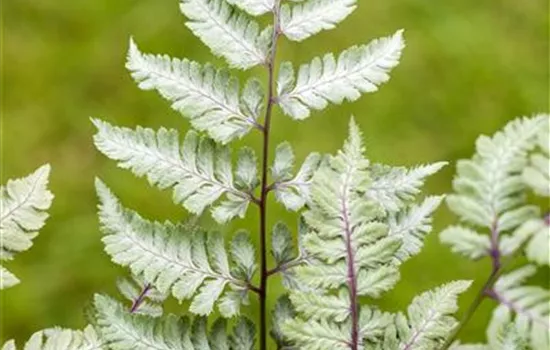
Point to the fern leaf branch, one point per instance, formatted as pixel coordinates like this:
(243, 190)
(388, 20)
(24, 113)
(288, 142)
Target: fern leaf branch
(228, 32)
(199, 171)
(309, 18)
(209, 97)
(357, 70)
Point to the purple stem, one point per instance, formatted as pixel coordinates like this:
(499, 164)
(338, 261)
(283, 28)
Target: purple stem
(271, 100)
(140, 299)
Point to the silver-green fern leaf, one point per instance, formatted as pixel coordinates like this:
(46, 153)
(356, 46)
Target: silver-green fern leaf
(178, 258)
(23, 206)
(122, 330)
(357, 70)
(209, 97)
(491, 195)
(300, 21)
(354, 248)
(199, 170)
(228, 32)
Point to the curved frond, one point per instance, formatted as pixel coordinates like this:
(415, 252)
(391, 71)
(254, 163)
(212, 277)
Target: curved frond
(179, 258)
(199, 171)
(23, 206)
(209, 97)
(227, 32)
(357, 70)
(303, 20)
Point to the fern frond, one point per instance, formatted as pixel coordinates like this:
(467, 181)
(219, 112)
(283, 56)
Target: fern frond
(199, 171)
(350, 252)
(61, 339)
(171, 257)
(341, 215)
(394, 187)
(429, 318)
(209, 97)
(254, 7)
(537, 174)
(530, 304)
(23, 206)
(490, 193)
(357, 70)
(303, 20)
(292, 192)
(487, 186)
(412, 225)
(124, 331)
(227, 32)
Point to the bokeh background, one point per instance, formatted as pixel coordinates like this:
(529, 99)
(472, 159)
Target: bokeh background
(469, 67)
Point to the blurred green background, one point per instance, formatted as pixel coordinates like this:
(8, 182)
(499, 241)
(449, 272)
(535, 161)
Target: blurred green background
(469, 67)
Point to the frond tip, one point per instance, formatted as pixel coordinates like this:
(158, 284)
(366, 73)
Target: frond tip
(303, 20)
(227, 32)
(357, 70)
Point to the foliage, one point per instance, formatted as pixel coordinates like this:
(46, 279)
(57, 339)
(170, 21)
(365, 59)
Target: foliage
(491, 195)
(360, 223)
(23, 206)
